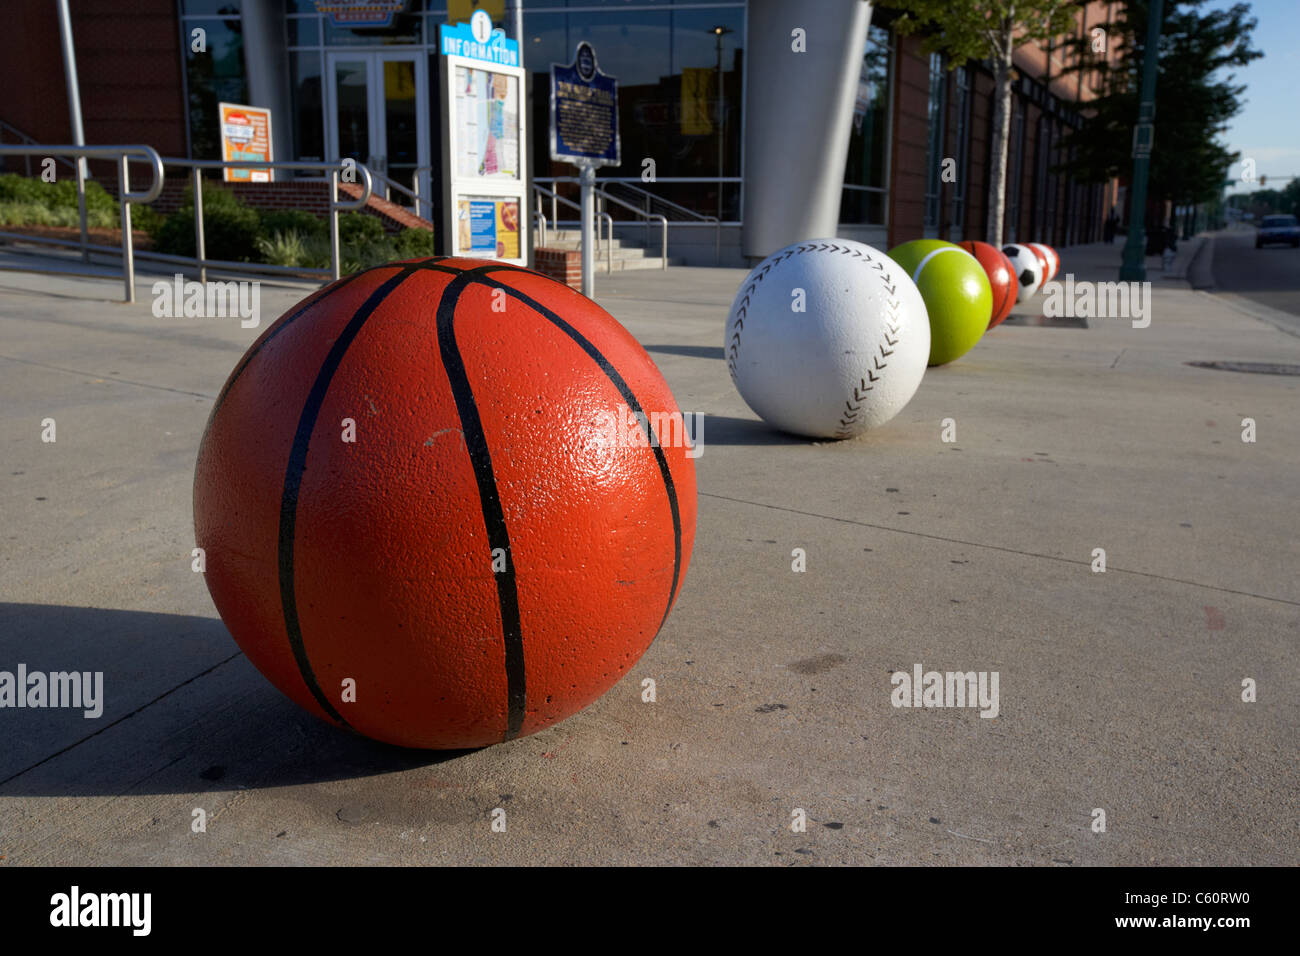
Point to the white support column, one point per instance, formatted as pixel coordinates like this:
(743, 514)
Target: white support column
(799, 112)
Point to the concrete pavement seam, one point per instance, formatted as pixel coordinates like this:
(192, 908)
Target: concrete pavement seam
(97, 375)
(78, 743)
(998, 547)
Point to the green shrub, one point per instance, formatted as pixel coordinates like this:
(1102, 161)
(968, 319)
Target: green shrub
(356, 228)
(291, 220)
(27, 213)
(281, 248)
(411, 243)
(59, 199)
(147, 218)
(20, 189)
(230, 229)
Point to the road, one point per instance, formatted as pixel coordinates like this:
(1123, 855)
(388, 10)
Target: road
(1268, 276)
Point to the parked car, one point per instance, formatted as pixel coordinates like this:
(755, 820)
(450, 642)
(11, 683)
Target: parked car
(1282, 229)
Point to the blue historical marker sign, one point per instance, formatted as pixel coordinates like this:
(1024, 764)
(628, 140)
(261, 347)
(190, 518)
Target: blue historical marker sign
(584, 112)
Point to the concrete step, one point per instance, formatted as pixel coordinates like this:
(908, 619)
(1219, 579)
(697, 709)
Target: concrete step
(629, 265)
(553, 243)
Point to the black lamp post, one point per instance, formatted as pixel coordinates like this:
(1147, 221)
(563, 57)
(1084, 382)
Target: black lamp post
(719, 33)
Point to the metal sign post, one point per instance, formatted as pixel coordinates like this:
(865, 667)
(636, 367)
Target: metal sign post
(587, 175)
(584, 131)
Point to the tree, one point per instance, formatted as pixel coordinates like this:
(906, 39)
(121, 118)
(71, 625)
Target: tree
(1195, 98)
(987, 30)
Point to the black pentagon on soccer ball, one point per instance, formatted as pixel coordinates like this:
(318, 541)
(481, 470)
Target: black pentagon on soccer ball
(1027, 277)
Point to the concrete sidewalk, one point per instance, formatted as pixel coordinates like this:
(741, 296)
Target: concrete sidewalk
(1119, 691)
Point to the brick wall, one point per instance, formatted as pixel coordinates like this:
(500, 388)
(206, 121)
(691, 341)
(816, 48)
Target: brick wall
(908, 153)
(129, 73)
(310, 197)
(563, 265)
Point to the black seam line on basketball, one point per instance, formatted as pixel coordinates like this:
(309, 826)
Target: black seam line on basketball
(633, 404)
(494, 519)
(293, 481)
(1005, 550)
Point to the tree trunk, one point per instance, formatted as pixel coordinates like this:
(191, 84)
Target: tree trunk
(1001, 137)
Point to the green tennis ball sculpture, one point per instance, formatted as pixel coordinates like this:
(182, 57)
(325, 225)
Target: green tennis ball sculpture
(956, 291)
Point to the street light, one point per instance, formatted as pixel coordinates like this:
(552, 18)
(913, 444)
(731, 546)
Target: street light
(718, 33)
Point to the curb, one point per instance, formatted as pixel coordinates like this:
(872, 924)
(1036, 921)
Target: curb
(1282, 321)
(1200, 271)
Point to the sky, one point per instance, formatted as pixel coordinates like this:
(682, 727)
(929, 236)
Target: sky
(1268, 127)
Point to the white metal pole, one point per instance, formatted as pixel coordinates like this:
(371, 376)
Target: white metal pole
(588, 178)
(74, 107)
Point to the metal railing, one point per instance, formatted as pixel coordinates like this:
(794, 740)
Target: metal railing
(647, 216)
(333, 169)
(419, 202)
(126, 197)
(650, 197)
(122, 154)
(540, 191)
(602, 194)
(12, 130)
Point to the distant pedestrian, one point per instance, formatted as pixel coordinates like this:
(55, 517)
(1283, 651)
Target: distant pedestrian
(1112, 224)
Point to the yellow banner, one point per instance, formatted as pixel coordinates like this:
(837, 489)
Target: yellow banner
(697, 82)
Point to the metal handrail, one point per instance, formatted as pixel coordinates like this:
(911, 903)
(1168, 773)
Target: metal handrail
(645, 215)
(389, 183)
(23, 137)
(609, 223)
(703, 217)
(367, 188)
(125, 196)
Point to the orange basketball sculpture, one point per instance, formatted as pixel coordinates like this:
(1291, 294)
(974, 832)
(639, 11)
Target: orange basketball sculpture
(1002, 277)
(419, 516)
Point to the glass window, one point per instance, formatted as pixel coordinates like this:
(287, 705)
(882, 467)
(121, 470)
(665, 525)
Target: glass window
(308, 129)
(304, 31)
(1015, 165)
(680, 75)
(867, 163)
(209, 8)
(961, 131)
(215, 75)
(934, 152)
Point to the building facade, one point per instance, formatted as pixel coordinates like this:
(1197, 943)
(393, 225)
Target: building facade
(689, 98)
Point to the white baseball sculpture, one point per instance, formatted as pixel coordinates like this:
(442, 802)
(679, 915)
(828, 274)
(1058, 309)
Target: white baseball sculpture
(827, 338)
(1028, 270)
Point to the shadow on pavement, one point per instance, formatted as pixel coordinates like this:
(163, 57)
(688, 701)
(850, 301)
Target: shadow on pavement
(183, 712)
(690, 351)
(726, 430)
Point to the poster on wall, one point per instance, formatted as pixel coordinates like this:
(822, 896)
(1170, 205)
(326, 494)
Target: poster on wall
(245, 134)
(488, 227)
(487, 123)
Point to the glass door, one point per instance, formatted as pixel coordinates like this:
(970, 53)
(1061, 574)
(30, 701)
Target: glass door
(379, 116)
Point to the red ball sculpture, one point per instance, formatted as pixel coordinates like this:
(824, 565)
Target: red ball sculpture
(1002, 277)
